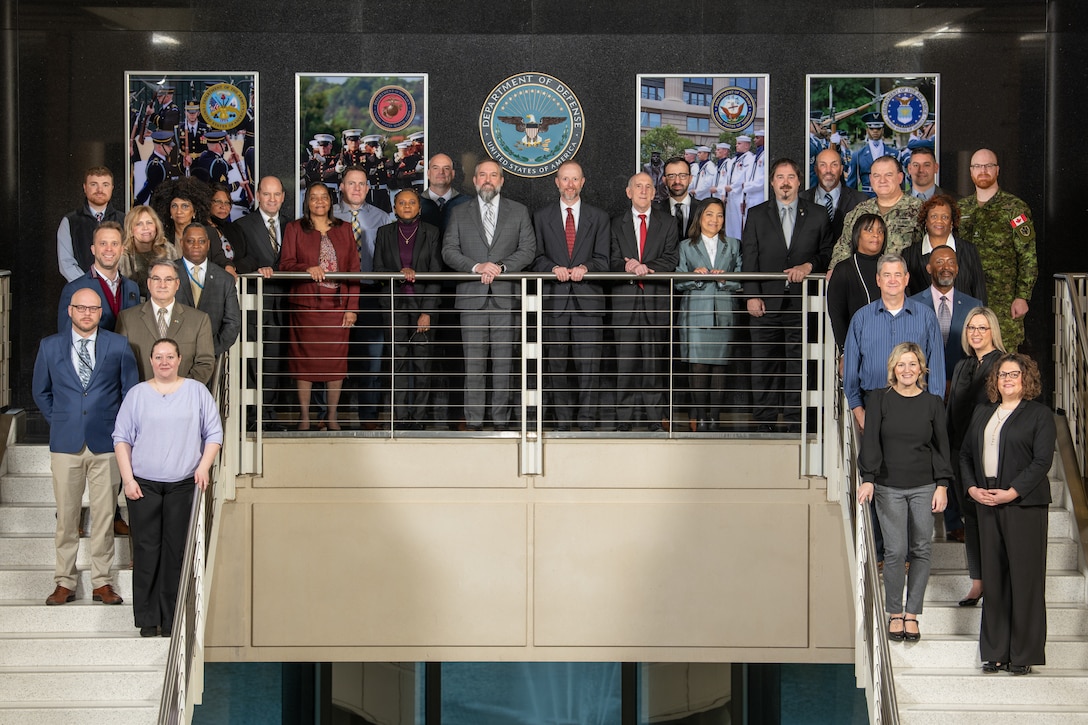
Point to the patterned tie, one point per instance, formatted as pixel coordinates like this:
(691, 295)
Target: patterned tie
(829, 204)
(570, 233)
(272, 238)
(489, 222)
(679, 211)
(164, 325)
(85, 366)
(98, 217)
(787, 224)
(197, 285)
(356, 227)
(944, 318)
(441, 201)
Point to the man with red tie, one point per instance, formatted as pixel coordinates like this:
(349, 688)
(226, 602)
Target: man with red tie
(644, 241)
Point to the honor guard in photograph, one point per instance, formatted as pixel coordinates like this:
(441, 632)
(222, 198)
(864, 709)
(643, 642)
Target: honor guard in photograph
(159, 166)
(191, 136)
(164, 114)
(352, 153)
(874, 148)
(378, 172)
(322, 163)
(410, 166)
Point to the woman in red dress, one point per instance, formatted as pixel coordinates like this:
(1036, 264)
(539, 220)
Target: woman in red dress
(322, 311)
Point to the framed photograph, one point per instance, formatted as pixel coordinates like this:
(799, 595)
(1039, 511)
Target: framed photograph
(719, 124)
(871, 116)
(374, 120)
(197, 124)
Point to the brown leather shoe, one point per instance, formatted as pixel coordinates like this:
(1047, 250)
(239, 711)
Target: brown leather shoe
(60, 595)
(106, 595)
(120, 528)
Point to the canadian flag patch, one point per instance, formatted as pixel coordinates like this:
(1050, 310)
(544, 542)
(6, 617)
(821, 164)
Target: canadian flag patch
(1022, 219)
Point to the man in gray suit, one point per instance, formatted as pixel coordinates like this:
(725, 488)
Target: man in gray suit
(489, 238)
(208, 287)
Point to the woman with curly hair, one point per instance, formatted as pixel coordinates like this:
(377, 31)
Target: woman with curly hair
(940, 217)
(178, 202)
(144, 242)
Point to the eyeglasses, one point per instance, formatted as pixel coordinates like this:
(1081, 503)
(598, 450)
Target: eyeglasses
(977, 328)
(1010, 374)
(980, 167)
(671, 177)
(162, 280)
(84, 309)
(221, 202)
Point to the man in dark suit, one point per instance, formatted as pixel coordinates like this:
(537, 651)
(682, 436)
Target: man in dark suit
(489, 238)
(943, 268)
(791, 235)
(163, 316)
(643, 241)
(830, 192)
(440, 197)
(117, 291)
(208, 287)
(680, 203)
(80, 377)
(573, 238)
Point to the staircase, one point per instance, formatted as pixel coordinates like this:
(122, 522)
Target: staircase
(940, 680)
(79, 662)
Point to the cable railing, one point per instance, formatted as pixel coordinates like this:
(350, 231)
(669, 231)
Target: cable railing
(1071, 358)
(183, 680)
(671, 372)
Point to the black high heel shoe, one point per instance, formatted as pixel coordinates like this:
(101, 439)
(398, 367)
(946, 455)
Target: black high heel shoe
(971, 601)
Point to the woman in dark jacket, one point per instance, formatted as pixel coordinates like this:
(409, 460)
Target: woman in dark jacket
(1006, 456)
(940, 218)
(853, 281)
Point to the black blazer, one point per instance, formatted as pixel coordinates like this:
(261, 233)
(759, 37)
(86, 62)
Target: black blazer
(591, 248)
(662, 254)
(1025, 452)
(426, 257)
(258, 251)
(848, 199)
(763, 246)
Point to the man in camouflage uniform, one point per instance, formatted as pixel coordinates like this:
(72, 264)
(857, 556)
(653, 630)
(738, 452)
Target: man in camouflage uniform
(899, 211)
(1000, 225)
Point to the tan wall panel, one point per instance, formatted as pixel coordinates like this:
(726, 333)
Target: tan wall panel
(683, 463)
(381, 574)
(652, 574)
(228, 608)
(831, 594)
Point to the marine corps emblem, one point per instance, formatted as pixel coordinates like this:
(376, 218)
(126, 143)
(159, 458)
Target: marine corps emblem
(223, 106)
(904, 109)
(392, 108)
(531, 124)
(734, 108)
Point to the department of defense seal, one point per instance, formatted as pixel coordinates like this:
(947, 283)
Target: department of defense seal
(392, 108)
(223, 106)
(734, 108)
(531, 124)
(904, 109)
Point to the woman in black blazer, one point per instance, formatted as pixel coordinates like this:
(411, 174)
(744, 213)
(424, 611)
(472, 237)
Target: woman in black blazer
(1005, 458)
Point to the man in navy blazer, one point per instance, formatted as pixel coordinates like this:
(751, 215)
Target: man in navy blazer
(775, 305)
(943, 268)
(573, 238)
(117, 291)
(490, 237)
(644, 241)
(200, 277)
(80, 377)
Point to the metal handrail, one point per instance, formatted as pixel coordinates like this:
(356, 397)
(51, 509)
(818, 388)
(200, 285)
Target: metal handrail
(187, 637)
(1071, 358)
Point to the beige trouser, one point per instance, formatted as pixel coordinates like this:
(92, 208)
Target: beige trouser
(70, 472)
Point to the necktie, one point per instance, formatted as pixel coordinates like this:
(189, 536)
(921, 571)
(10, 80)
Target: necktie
(272, 238)
(787, 224)
(164, 326)
(441, 201)
(829, 204)
(489, 222)
(679, 211)
(944, 318)
(197, 286)
(84, 364)
(570, 233)
(98, 217)
(641, 241)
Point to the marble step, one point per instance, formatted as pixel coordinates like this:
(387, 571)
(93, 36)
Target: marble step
(32, 550)
(947, 714)
(82, 615)
(1045, 686)
(31, 582)
(121, 712)
(63, 684)
(1068, 620)
(28, 459)
(22, 489)
(1061, 553)
(35, 518)
(961, 651)
(84, 649)
(1062, 586)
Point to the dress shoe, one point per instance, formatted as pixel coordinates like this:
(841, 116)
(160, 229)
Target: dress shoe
(165, 632)
(120, 528)
(911, 636)
(624, 427)
(991, 667)
(586, 428)
(970, 601)
(657, 428)
(149, 631)
(895, 635)
(954, 535)
(106, 595)
(1019, 669)
(60, 595)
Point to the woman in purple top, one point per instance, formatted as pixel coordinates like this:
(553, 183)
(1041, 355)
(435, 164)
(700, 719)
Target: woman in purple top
(166, 437)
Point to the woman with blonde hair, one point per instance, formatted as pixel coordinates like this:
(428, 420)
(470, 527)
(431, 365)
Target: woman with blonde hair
(144, 242)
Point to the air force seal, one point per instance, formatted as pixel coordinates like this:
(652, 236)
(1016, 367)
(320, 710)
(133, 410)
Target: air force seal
(392, 108)
(904, 109)
(531, 124)
(734, 108)
(223, 106)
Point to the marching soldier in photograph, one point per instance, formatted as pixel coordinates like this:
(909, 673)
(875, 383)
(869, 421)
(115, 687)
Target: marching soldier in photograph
(352, 153)
(160, 167)
(190, 134)
(378, 172)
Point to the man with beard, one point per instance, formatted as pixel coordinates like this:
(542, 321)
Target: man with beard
(791, 235)
(734, 187)
(76, 230)
(489, 238)
(999, 224)
(117, 291)
(680, 203)
(950, 305)
(573, 239)
(836, 198)
(899, 211)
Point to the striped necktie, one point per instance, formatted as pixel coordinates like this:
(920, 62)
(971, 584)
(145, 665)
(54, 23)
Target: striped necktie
(829, 204)
(272, 238)
(489, 222)
(164, 324)
(85, 366)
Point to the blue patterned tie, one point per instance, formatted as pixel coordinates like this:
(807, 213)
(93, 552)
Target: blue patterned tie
(85, 366)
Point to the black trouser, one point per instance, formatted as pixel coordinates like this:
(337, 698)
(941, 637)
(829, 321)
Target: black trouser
(159, 522)
(573, 338)
(776, 360)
